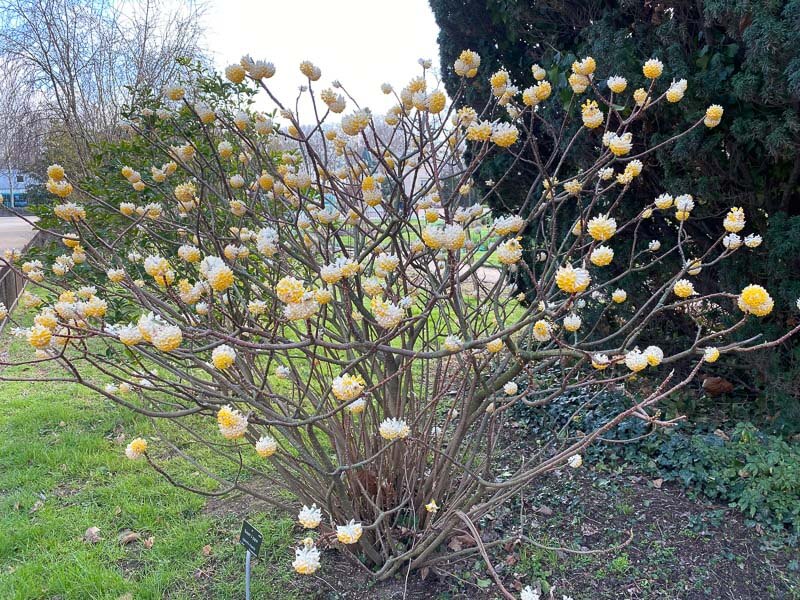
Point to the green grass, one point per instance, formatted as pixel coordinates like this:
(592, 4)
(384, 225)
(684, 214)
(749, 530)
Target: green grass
(63, 470)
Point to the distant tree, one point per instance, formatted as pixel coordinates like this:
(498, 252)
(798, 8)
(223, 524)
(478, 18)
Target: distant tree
(84, 58)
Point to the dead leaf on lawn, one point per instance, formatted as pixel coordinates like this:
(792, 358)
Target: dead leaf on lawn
(36, 506)
(128, 537)
(92, 535)
(207, 550)
(148, 543)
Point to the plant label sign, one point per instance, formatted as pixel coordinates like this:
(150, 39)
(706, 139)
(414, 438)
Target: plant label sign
(250, 538)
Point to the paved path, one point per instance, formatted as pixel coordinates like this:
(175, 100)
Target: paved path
(15, 233)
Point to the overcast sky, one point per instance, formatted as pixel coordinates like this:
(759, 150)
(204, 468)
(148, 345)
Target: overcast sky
(362, 43)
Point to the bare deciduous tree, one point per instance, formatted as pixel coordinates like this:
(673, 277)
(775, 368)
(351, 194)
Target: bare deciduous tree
(84, 58)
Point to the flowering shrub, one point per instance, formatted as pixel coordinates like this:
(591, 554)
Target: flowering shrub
(324, 295)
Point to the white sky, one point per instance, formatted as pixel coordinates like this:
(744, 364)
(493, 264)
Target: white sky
(362, 43)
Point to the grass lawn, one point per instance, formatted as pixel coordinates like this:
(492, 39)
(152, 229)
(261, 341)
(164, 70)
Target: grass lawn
(63, 470)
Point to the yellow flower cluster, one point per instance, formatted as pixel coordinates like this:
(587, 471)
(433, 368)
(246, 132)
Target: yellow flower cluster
(467, 64)
(348, 387)
(591, 114)
(755, 300)
(572, 280)
(713, 116)
(232, 424)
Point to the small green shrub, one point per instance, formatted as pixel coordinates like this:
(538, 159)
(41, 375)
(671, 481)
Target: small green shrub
(753, 471)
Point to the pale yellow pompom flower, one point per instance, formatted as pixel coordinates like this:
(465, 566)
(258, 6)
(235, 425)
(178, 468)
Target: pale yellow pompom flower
(235, 73)
(290, 290)
(495, 346)
(617, 84)
(653, 68)
(350, 533)
(755, 300)
(572, 280)
(136, 448)
(601, 227)
(223, 357)
(683, 288)
(266, 446)
(601, 256)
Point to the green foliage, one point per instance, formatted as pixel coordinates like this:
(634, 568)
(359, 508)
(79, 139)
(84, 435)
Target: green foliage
(755, 472)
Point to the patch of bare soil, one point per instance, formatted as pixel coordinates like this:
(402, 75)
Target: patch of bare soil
(591, 535)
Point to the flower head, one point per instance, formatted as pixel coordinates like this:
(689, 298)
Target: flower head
(467, 63)
(572, 280)
(572, 322)
(653, 68)
(136, 448)
(394, 429)
(713, 116)
(223, 356)
(232, 423)
(734, 220)
(310, 518)
(348, 387)
(635, 360)
(601, 256)
(509, 252)
(601, 227)
(755, 300)
(542, 330)
(683, 288)
(306, 559)
(350, 533)
(617, 84)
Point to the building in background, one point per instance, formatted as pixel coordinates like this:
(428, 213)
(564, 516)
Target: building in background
(14, 187)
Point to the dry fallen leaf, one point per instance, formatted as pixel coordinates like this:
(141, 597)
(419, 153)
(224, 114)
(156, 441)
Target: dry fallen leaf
(36, 506)
(657, 483)
(148, 543)
(92, 535)
(459, 542)
(721, 434)
(127, 596)
(207, 550)
(128, 537)
(117, 511)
